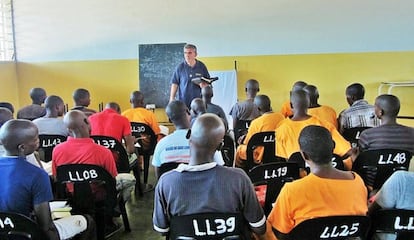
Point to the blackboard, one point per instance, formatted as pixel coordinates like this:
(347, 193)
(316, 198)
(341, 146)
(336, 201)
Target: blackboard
(157, 63)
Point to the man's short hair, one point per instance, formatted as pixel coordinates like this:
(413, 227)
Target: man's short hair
(316, 142)
(390, 104)
(355, 90)
(190, 46)
(7, 105)
(80, 94)
(52, 101)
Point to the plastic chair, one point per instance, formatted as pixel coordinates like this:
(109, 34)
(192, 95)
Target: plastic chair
(228, 150)
(393, 221)
(18, 226)
(212, 226)
(90, 189)
(376, 166)
(267, 141)
(241, 128)
(142, 132)
(331, 227)
(274, 176)
(47, 143)
(352, 135)
(122, 162)
(296, 157)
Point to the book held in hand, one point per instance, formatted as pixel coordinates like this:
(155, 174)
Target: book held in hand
(198, 80)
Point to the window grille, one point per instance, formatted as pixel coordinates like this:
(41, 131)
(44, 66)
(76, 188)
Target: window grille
(7, 52)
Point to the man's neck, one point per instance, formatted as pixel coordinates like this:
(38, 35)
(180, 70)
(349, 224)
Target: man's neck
(191, 63)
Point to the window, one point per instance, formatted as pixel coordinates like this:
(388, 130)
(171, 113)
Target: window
(7, 52)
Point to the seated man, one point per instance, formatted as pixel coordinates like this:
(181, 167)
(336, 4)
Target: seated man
(325, 191)
(323, 112)
(8, 106)
(359, 113)
(267, 122)
(202, 186)
(82, 100)
(286, 109)
(35, 110)
(110, 123)
(26, 188)
(81, 149)
(390, 134)
(287, 134)
(396, 193)
(175, 147)
(207, 95)
(197, 108)
(52, 122)
(245, 110)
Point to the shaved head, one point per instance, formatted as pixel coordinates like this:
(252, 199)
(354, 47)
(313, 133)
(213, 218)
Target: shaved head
(388, 104)
(113, 105)
(19, 137)
(312, 92)
(198, 106)
(263, 103)
(299, 85)
(38, 95)
(5, 115)
(207, 92)
(81, 97)
(316, 142)
(299, 100)
(177, 112)
(137, 99)
(207, 132)
(77, 123)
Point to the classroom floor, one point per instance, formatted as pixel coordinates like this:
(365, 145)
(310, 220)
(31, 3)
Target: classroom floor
(140, 216)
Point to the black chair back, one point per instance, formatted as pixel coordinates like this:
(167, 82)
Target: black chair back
(337, 161)
(267, 141)
(228, 150)
(332, 227)
(212, 226)
(274, 175)
(241, 128)
(395, 221)
(376, 166)
(46, 145)
(352, 135)
(122, 163)
(90, 189)
(142, 131)
(18, 226)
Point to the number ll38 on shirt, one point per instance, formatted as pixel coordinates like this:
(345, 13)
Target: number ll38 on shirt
(210, 228)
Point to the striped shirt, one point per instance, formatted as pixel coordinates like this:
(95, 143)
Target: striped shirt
(360, 114)
(393, 136)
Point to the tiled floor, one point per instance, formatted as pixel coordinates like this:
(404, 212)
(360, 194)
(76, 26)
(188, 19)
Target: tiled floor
(140, 217)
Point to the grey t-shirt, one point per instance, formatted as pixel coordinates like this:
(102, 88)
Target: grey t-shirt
(53, 126)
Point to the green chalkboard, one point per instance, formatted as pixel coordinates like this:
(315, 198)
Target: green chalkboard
(157, 63)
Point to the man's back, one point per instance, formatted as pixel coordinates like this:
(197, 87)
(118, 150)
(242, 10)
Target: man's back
(359, 114)
(245, 110)
(325, 113)
(142, 115)
(83, 151)
(54, 126)
(110, 123)
(31, 112)
(287, 135)
(23, 186)
(393, 136)
(213, 189)
(314, 196)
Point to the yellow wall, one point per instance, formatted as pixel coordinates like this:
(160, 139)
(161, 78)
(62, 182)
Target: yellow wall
(115, 79)
(9, 84)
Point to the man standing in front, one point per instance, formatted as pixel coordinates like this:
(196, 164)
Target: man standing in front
(212, 190)
(189, 69)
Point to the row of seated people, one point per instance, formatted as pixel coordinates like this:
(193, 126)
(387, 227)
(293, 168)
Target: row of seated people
(215, 189)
